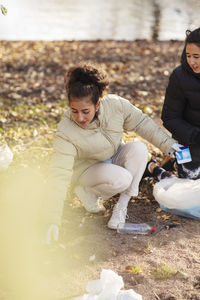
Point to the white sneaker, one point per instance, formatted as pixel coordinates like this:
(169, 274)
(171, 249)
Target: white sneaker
(89, 200)
(118, 216)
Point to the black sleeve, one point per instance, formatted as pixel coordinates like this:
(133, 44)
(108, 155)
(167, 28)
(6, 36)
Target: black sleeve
(173, 111)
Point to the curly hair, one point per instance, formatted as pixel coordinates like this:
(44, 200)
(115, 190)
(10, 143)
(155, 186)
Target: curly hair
(86, 80)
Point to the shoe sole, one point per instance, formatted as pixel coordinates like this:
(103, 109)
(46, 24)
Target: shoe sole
(94, 211)
(112, 227)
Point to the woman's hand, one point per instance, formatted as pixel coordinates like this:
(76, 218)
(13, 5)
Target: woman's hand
(52, 234)
(175, 147)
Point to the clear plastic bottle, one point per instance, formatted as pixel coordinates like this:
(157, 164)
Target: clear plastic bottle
(132, 228)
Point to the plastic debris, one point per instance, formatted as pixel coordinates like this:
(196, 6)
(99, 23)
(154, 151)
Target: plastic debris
(179, 196)
(133, 228)
(128, 295)
(108, 287)
(6, 157)
(92, 258)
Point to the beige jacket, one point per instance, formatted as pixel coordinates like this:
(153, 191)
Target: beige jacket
(77, 148)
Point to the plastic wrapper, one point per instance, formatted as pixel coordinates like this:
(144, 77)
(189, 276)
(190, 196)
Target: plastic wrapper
(108, 287)
(6, 157)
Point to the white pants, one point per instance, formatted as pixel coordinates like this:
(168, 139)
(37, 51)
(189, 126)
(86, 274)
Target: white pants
(122, 175)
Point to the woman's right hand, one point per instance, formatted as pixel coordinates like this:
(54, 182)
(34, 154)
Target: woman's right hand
(52, 234)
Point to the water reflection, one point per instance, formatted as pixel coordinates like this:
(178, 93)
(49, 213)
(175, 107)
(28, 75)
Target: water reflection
(94, 19)
(176, 17)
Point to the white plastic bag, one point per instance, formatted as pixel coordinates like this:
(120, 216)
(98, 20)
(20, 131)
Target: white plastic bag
(108, 288)
(179, 196)
(6, 157)
(128, 295)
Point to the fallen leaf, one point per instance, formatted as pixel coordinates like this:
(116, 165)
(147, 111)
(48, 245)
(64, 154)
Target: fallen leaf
(4, 10)
(166, 217)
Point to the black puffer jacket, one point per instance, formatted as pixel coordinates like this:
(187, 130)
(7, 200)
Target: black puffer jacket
(181, 109)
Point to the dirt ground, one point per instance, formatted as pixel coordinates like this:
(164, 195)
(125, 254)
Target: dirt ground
(164, 265)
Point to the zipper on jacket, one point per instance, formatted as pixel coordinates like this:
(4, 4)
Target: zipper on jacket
(108, 138)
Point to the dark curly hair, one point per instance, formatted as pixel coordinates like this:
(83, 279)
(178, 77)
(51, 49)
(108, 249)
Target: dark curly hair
(86, 80)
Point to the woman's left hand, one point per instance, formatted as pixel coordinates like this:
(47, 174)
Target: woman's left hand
(175, 147)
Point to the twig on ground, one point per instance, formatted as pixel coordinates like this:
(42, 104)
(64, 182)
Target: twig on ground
(157, 297)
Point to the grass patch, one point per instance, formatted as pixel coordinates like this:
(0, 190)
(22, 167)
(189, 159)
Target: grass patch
(163, 271)
(136, 270)
(149, 248)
